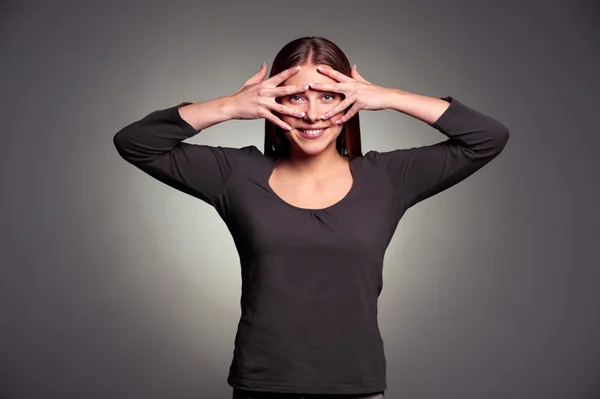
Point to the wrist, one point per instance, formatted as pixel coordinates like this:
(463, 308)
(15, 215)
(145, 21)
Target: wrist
(396, 99)
(425, 108)
(205, 114)
(226, 107)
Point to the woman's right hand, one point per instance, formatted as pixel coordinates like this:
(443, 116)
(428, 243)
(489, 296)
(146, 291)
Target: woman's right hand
(256, 98)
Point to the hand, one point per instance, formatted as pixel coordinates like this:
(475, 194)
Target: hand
(357, 91)
(256, 98)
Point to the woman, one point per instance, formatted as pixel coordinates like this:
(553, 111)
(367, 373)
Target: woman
(311, 217)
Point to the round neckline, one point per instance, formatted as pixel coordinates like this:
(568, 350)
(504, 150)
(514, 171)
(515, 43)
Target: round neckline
(352, 187)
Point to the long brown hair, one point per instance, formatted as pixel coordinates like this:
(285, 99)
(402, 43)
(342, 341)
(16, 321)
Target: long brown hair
(315, 50)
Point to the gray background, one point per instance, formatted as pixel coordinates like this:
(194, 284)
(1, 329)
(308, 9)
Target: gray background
(113, 285)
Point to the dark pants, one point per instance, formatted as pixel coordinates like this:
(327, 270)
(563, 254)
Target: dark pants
(245, 394)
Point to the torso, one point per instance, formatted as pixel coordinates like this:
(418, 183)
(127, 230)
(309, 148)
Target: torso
(318, 193)
(311, 251)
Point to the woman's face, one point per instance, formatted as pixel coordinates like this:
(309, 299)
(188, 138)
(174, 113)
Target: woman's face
(312, 135)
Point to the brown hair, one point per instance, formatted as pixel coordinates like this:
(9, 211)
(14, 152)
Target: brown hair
(316, 50)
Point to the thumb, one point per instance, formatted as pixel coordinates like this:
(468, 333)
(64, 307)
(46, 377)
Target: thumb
(260, 75)
(356, 75)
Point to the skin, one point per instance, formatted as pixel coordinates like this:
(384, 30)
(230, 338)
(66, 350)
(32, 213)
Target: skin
(315, 175)
(324, 104)
(313, 104)
(270, 99)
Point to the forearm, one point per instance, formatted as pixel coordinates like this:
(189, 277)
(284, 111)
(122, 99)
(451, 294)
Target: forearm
(424, 108)
(208, 113)
(480, 135)
(155, 144)
(474, 139)
(159, 132)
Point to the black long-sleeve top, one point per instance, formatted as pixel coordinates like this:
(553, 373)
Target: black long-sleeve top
(311, 278)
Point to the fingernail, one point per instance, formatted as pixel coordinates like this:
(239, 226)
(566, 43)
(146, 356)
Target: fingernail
(319, 67)
(300, 114)
(338, 121)
(325, 115)
(305, 87)
(312, 84)
(297, 66)
(288, 127)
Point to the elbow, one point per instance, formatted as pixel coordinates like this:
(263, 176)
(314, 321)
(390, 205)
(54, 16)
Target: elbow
(123, 143)
(496, 142)
(120, 143)
(501, 136)
(134, 147)
(493, 144)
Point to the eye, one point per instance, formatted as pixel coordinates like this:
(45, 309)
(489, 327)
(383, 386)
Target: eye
(294, 98)
(331, 96)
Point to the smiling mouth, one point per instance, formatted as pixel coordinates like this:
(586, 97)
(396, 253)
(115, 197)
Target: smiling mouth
(312, 132)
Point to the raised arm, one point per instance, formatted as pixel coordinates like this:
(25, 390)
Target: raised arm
(474, 139)
(155, 144)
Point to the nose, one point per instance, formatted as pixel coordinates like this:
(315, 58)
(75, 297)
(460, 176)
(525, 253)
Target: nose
(311, 111)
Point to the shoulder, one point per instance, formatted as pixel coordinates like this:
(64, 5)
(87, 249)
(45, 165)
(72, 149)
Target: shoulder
(248, 153)
(383, 159)
(247, 158)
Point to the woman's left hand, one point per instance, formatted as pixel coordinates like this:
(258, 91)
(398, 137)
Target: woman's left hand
(358, 92)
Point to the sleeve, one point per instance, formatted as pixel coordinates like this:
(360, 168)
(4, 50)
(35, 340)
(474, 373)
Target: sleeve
(474, 139)
(154, 144)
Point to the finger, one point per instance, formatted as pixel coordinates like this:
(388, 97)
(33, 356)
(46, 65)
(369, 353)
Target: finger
(332, 73)
(339, 108)
(282, 91)
(283, 109)
(275, 120)
(335, 87)
(357, 75)
(259, 76)
(283, 76)
(351, 112)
